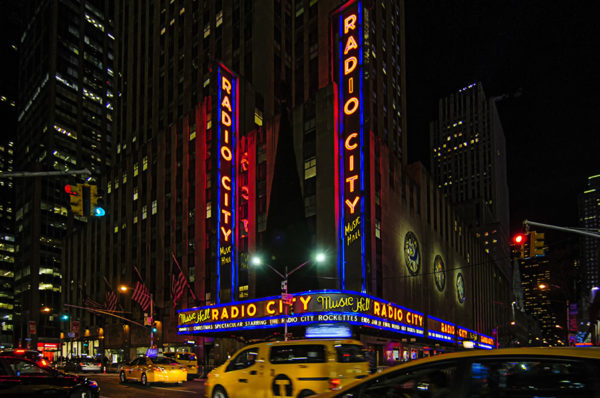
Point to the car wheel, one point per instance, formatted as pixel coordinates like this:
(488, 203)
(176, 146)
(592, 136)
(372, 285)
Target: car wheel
(122, 377)
(144, 380)
(219, 392)
(306, 393)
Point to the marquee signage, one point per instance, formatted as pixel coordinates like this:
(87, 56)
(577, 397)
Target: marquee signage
(351, 146)
(486, 342)
(438, 329)
(227, 140)
(464, 334)
(308, 308)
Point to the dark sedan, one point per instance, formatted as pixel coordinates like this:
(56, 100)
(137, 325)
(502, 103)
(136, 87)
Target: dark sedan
(20, 377)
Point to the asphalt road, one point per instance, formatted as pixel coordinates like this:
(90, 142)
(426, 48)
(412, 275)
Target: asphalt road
(111, 388)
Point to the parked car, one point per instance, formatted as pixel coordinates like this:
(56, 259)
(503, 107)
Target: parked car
(187, 359)
(83, 364)
(20, 377)
(153, 370)
(32, 355)
(296, 368)
(512, 372)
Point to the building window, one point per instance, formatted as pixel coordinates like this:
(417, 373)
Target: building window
(310, 168)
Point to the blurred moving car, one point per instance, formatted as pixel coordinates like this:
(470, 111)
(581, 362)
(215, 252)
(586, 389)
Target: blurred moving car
(187, 359)
(153, 370)
(32, 355)
(20, 377)
(558, 372)
(296, 368)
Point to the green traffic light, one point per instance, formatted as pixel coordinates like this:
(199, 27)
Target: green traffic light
(64, 317)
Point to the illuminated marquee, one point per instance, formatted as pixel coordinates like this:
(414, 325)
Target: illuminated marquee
(464, 334)
(309, 308)
(227, 141)
(350, 147)
(486, 342)
(438, 329)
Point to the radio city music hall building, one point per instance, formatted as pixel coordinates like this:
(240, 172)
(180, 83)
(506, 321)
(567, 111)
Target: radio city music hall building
(279, 150)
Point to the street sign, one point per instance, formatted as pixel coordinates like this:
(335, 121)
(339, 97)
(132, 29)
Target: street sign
(32, 328)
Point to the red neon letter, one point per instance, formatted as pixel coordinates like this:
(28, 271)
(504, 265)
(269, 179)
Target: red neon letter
(226, 85)
(349, 23)
(225, 119)
(351, 106)
(349, 65)
(350, 45)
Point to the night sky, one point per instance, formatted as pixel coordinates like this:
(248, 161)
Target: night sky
(545, 57)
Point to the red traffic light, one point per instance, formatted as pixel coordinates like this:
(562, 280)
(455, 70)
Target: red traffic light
(71, 189)
(519, 239)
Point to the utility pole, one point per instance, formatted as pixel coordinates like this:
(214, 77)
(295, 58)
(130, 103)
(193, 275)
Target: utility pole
(564, 229)
(27, 174)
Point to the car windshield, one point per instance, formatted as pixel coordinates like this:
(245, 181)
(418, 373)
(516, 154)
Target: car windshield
(163, 361)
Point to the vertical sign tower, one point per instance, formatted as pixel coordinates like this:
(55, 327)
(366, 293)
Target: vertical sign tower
(348, 21)
(227, 133)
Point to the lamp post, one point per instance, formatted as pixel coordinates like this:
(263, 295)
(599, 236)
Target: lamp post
(257, 261)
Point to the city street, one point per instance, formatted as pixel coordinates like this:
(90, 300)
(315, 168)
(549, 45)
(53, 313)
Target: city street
(111, 388)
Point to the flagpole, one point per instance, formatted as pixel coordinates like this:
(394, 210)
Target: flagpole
(151, 309)
(186, 280)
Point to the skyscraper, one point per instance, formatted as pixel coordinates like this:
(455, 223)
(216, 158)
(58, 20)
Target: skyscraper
(244, 113)
(64, 118)
(589, 220)
(469, 165)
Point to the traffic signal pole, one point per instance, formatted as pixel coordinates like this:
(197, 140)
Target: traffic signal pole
(45, 173)
(564, 229)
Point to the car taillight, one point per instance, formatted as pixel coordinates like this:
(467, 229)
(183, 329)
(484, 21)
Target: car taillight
(19, 351)
(158, 368)
(43, 362)
(81, 364)
(335, 384)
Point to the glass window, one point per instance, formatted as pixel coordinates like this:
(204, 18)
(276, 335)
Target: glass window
(350, 353)
(423, 382)
(532, 378)
(22, 367)
(243, 360)
(308, 353)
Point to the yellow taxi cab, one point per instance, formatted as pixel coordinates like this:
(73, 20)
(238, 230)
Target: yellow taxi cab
(559, 372)
(148, 370)
(297, 368)
(187, 359)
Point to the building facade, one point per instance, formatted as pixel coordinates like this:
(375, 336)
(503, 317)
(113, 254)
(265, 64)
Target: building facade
(65, 109)
(274, 128)
(469, 165)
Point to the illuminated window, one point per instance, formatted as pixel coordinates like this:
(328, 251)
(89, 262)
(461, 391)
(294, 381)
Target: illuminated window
(378, 229)
(109, 187)
(145, 163)
(206, 31)
(135, 193)
(208, 210)
(144, 212)
(124, 178)
(135, 219)
(219, 18)
(154, 207)
(258, 117)
(136, 169)
(310, 168)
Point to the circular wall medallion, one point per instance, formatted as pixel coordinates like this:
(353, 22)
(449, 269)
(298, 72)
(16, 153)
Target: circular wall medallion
(460, 288)
(439, 273)
(412, 253)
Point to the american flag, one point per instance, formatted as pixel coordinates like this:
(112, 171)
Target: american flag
(141, 294)
(91, 303)
(178, 283)
(111, 301)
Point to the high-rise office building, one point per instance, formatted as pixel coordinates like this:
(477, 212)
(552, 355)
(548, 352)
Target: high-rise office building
(274, 128)
(589, 220)
(469, 165)
(65, 107)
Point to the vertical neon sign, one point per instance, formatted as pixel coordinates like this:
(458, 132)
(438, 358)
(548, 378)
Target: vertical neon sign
(351, 147)
(227, 115)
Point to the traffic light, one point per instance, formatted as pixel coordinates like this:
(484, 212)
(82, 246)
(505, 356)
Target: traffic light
(64, 317)
(96, 205)
(519, 242)
(536, 244)
(154, 327)
(75, 198)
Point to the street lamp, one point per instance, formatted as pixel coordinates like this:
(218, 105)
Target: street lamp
(257, 261)
(125, 289)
